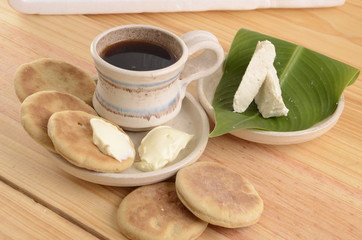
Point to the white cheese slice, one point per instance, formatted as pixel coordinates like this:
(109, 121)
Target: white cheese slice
(161, 146)
(111, 141)
(269, 99)
(254, 76)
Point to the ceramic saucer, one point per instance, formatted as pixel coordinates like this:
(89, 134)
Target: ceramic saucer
(206, 90)
(191, 119)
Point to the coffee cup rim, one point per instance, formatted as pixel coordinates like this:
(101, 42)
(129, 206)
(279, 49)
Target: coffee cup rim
(153, 73)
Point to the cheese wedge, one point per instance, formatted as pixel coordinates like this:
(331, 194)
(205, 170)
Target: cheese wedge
(254, 76)
(269, 98)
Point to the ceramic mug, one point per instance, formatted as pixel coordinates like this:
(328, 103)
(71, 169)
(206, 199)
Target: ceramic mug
(140, 100)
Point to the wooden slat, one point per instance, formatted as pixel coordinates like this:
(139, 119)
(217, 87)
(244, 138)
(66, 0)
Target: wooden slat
(26, 219)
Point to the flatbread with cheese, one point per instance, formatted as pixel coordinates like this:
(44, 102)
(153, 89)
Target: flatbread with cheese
(72, 136)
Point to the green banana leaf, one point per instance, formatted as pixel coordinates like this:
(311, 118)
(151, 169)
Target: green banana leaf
(311, 84)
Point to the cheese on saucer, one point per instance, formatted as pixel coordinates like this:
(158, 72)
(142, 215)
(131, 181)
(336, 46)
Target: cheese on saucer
(160, 147)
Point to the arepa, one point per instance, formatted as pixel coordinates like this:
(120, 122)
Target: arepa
(72, 136)
(218, 195)
(37, 108)
(53, 74)
(154, 212)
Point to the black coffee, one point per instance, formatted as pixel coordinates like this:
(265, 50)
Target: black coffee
(138, 55)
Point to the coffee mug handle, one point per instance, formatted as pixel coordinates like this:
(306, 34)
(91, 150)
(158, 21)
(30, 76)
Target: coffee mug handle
(209, 55)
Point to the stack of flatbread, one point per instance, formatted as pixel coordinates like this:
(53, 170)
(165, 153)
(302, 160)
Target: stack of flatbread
(56, 109)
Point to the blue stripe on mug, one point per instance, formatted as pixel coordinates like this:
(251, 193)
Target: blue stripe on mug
(135, 85)
(141, 112)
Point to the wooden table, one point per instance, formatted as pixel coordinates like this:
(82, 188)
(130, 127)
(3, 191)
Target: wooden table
(311, 190)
